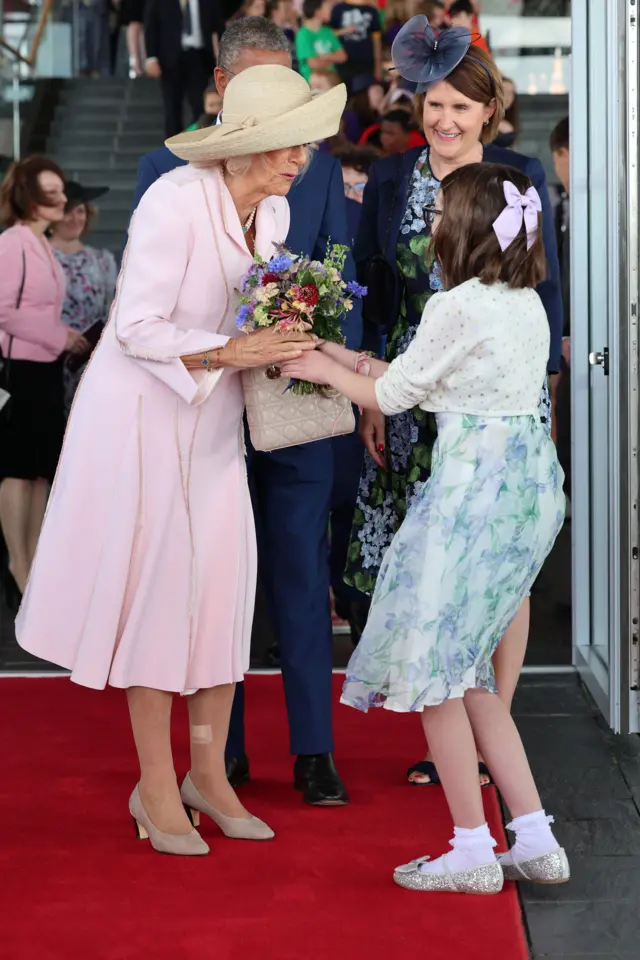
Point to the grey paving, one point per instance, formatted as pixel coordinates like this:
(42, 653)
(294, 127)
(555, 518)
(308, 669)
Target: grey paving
(589, 780)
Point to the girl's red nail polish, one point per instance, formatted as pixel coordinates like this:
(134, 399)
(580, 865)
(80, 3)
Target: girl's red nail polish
(381, 448)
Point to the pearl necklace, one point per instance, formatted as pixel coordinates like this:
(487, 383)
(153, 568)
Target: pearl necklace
(246, 226)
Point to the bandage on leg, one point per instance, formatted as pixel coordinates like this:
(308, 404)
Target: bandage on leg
(201, 734)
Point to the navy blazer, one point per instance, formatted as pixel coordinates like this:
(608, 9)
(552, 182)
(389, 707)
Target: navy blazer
(381, 213)
(318, 213)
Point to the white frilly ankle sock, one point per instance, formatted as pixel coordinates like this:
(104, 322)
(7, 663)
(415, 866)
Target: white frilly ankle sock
(471, 848)
(534, 837)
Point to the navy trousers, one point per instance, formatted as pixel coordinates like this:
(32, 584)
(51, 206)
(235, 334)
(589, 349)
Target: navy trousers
(348, 456)
(291, 494)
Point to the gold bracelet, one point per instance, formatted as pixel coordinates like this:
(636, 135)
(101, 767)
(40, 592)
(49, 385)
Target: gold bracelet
(210, 364)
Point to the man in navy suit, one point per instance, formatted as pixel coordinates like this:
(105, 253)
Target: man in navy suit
(291, 488)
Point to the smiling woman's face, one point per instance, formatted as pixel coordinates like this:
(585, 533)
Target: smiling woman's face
(73, 224)
(452, 122)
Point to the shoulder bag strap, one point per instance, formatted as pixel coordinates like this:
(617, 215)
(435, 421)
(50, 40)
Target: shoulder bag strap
(7, 363)
(24, 277)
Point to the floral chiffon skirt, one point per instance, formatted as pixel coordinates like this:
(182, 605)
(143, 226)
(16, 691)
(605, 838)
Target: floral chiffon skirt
(472, 543)
(385, 495)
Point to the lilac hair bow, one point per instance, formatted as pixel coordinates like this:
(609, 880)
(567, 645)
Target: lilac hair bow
(521, 208)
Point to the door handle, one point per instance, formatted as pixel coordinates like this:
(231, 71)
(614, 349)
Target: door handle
(597, 359)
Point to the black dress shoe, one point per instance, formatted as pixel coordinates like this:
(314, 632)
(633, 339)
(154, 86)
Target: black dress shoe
(272, 656)
(238, 770)
(319, 781)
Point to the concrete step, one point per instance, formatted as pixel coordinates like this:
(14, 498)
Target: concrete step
(106, 162)
(122, 180)
(112, 222)
(78, 142)
(96, 124)
(107, 158)
(113, 240)
(106, 103)
(113, 153)
(95, 82)
(111, 113)
(119, 194)
(99, 90)
(114, 203)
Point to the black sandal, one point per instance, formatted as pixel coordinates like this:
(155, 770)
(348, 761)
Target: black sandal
(428, 768)
(483, 770)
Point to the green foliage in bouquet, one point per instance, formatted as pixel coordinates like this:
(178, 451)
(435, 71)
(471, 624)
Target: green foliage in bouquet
(296, 293)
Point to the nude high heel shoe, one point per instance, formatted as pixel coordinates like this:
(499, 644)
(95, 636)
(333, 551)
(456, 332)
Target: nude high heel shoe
(182, 845)
(238, 828)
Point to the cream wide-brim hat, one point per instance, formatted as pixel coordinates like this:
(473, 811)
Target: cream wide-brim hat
(269, 107)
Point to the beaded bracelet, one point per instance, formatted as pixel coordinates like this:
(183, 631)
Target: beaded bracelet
(363, 364)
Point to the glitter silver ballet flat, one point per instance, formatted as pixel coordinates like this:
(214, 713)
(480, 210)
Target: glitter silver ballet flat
(485, 880)
(550, 868)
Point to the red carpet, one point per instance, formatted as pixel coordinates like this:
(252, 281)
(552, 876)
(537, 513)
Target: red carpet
(76, 883)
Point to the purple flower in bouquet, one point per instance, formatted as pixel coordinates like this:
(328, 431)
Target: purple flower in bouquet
(252, 277)
(243, 315)
(356, 290)
(279, 263)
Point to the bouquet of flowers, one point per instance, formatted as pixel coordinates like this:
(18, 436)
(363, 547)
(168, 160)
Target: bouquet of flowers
(297, 293)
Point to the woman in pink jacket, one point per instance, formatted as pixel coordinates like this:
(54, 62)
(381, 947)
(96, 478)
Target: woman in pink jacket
(146, 566)
(32, 341)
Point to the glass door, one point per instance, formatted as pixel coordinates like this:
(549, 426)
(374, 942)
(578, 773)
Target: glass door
(604, 354)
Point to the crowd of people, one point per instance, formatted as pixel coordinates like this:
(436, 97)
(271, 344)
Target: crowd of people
(431, 533)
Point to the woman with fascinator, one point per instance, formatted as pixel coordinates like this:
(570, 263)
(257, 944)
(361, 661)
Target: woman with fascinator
(462, 106)
(150, 505)
(476, 534)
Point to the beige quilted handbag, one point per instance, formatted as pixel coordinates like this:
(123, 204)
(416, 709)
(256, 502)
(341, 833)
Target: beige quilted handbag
(279, 418)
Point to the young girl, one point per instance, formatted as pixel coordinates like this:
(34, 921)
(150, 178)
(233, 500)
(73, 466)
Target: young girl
(475, 538)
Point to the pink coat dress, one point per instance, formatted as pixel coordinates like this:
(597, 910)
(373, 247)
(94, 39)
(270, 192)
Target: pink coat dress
(146, 567)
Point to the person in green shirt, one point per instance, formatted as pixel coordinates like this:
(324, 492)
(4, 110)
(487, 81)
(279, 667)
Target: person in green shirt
(317, 46)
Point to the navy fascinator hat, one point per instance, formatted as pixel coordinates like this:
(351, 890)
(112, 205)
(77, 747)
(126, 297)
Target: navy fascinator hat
(422, 58)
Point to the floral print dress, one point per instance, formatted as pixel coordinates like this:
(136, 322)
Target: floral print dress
(91, 284)
(385, 494)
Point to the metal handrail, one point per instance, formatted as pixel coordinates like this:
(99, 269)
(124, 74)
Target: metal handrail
(30, 60)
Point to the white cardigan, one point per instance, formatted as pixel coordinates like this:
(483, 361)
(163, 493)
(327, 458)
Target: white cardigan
(479, 350)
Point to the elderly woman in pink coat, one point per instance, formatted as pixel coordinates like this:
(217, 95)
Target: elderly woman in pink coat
(145, 572)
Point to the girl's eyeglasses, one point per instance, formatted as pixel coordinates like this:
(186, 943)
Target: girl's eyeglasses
(354, 188)
(431, 213)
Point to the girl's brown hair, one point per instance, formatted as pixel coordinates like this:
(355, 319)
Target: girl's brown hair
(465, 242)
(20, 192)
(477, 78)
